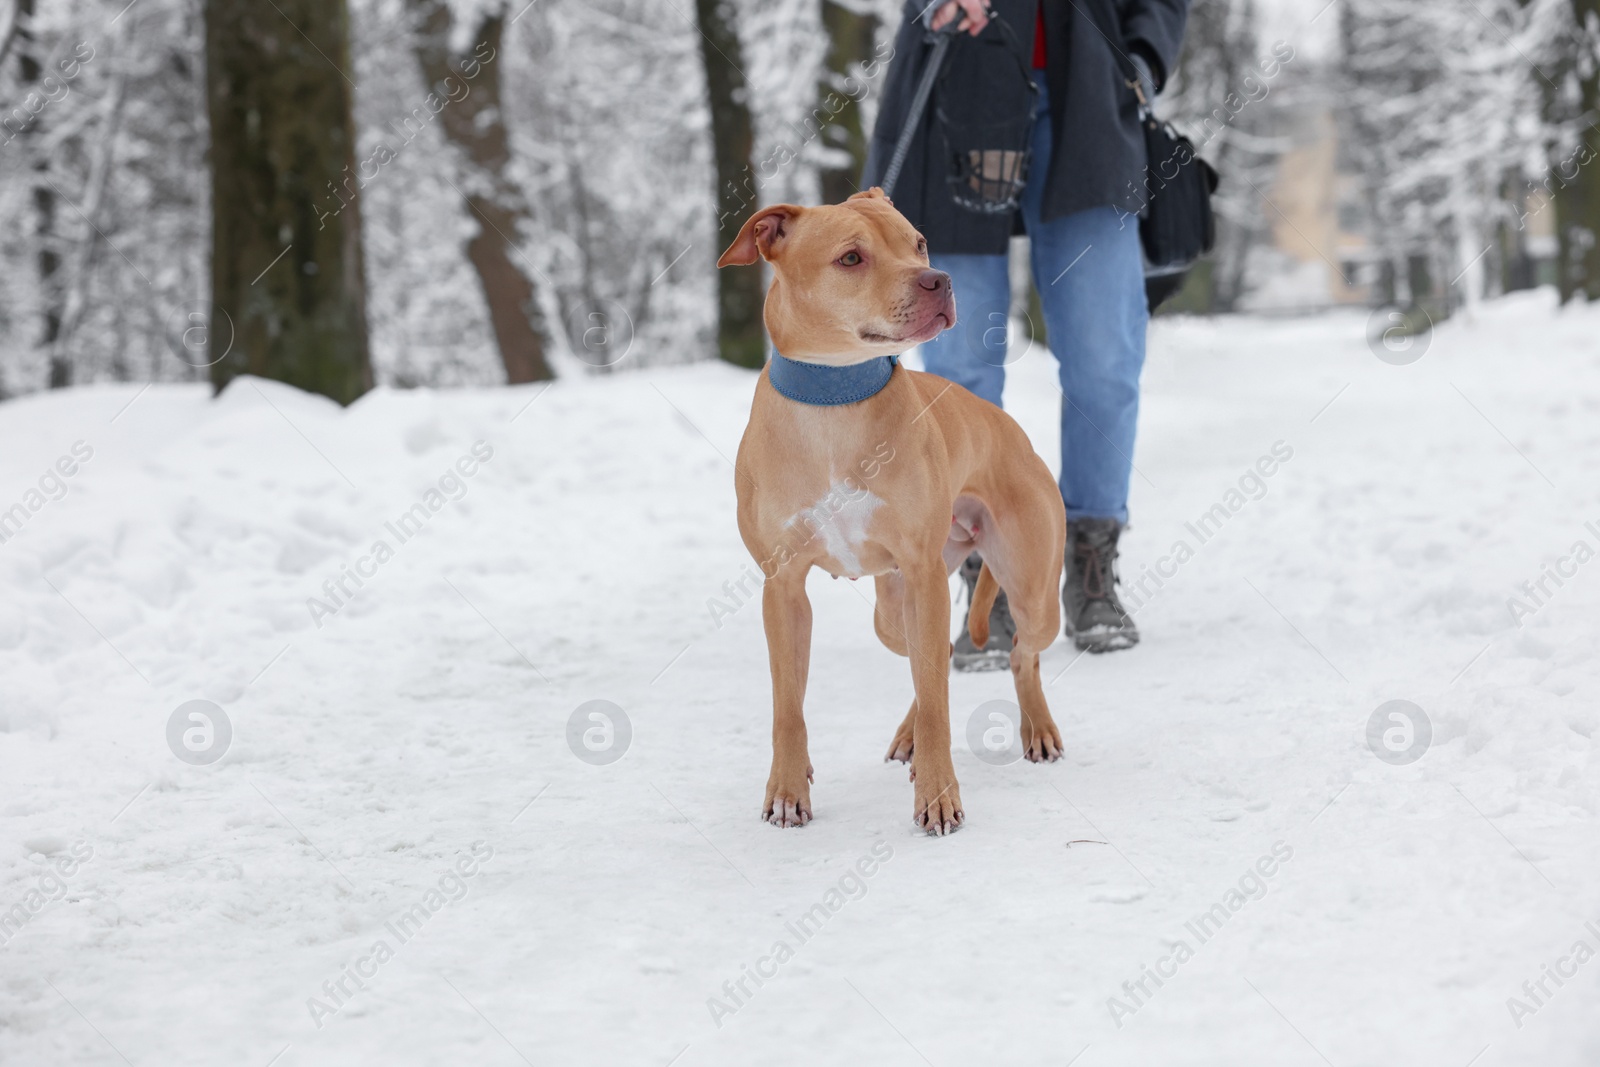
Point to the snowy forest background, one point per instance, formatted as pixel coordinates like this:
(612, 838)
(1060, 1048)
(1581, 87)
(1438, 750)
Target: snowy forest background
(589, 137)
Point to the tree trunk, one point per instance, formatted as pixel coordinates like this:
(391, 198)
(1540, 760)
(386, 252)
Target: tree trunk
(1516, 266)
(469, 86)
(851, 37)
(1577, 183)
(286, 261)
(739, 292)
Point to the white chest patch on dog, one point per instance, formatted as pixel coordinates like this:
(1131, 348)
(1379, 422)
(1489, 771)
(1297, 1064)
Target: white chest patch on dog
(839, 519)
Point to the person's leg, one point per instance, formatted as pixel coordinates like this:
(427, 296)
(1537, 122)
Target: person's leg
(1090, 273)
(1089, 270)
(973, 353)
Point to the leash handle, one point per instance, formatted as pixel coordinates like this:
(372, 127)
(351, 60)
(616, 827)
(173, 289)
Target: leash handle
(919, 104)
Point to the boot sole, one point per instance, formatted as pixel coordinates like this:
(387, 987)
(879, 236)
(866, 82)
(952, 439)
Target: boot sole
(1103, 640)
(991, 660)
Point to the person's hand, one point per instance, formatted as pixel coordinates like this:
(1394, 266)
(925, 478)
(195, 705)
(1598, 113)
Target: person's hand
(975, 15)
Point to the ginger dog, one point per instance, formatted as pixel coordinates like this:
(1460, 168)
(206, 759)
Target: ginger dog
(901, 485)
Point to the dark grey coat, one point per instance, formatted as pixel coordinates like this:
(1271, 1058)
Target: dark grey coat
(1098, 158)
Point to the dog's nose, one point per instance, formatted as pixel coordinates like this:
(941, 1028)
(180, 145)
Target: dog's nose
(934, 280)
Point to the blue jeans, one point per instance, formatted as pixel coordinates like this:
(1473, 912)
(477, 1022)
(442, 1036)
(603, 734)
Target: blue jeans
(1090, 274)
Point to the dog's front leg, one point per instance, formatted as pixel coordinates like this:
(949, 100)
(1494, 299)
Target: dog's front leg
(786, 610)
(937, 806)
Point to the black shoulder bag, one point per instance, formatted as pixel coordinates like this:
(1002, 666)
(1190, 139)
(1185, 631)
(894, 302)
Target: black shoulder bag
(1177, 226)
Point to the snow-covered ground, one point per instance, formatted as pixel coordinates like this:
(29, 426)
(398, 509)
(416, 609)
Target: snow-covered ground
(406, 752)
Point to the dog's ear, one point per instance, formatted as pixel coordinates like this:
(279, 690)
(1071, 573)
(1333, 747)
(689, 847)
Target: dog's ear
(875, 193)
(762, 235)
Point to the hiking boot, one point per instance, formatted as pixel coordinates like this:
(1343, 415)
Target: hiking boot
(996, 654)
(1095, 618)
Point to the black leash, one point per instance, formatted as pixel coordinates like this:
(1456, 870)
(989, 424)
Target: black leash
(919, 104)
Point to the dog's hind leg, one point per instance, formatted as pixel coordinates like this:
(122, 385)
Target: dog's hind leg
(1041, 739)
(1025, 557)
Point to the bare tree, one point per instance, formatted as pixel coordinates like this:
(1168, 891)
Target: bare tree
(75, 299)
(476, 124)
(30, 70)
(1439, 108)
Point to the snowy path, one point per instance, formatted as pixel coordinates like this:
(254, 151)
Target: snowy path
(1404, 904)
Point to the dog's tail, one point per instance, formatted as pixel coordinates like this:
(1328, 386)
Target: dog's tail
(982, 603)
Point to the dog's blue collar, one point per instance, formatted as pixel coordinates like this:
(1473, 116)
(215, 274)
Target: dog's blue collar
(825, 386)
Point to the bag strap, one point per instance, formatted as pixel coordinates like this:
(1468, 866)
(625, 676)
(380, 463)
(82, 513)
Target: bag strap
(1119, 43)
(1146, 112)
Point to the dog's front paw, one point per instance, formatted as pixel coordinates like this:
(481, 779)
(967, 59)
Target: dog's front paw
(788, 803)
(1042, 744)
(937, 808)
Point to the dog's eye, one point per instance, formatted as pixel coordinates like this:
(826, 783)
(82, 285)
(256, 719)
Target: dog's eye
(850, 259)
(922, 246)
